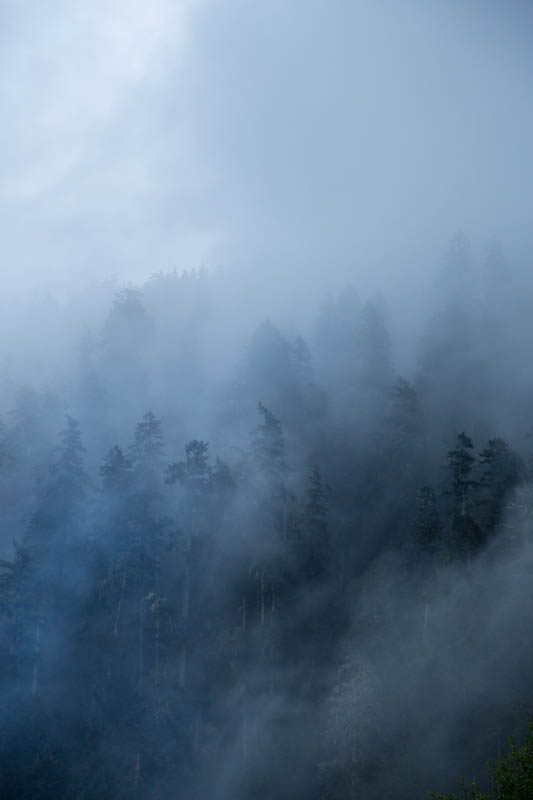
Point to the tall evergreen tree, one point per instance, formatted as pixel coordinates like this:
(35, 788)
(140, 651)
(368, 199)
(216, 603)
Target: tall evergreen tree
(316, 545)
(502, 471)
(466, 537)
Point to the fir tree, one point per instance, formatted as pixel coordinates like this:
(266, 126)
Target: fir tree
(502, 472)
(466, 537)
(316, 545)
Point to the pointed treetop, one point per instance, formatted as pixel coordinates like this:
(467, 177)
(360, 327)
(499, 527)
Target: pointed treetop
(195, 467)
(114, 468)
(269, 442)
(70, 460)
(148, 442)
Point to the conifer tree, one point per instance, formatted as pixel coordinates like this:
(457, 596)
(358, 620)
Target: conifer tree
(466, 537)
(316, 545)
(502, 472)
(269, 445)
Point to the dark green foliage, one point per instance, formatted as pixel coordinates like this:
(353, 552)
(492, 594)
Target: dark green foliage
(502, 471)
(466, 536)
(461, 462)
(512, 776)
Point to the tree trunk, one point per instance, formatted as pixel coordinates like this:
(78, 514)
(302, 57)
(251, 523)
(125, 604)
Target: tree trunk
(137, 777)
(262, 595)
(244, 735)
(186, 593)
(183, 667)
(185, 609)
(141, 642)
(36, 671)
(157, 638)
(119, 604)
(196, 734)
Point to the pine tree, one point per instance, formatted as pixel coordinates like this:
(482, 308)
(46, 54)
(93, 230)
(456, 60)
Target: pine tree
(503, 470)
(316, 545)
(461, 462)
(18, 608)
(193, 473)
(269, 445)
(466, 537)
(147, 447)
(115, 470)
(70, 479)
(376, 373)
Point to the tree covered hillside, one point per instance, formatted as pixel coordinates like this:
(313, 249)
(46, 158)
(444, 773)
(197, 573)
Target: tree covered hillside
(258, 563)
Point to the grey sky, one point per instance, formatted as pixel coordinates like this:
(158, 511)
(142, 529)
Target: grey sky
(343, 135)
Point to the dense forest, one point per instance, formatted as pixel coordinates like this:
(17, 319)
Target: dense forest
(267, 566)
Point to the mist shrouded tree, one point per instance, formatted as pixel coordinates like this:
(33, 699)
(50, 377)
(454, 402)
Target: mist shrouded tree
(466, 537)
(316, 545)
(374, 345)
(123, 357)
(502, 471)
(271, 511)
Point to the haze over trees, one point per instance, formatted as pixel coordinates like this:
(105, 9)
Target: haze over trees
(271, 566)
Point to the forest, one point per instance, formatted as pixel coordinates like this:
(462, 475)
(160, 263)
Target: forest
(272, 567)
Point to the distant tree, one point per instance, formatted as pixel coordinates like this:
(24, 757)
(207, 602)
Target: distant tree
(194, 520)
(18, 609)
(454, 365)
(147, 447)
(127, 324)
(400, 439)
(269, 445)
(62, 511)
(124, 359)
(316, 546)
(461, 462)
(115, 469)
(466, 537)
(269, 515)
(502, 471)
(336, 339)
(374, 346)
(194, 472)
(70, 479)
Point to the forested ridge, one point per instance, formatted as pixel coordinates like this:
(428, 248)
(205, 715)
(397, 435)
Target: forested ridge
(284, 571)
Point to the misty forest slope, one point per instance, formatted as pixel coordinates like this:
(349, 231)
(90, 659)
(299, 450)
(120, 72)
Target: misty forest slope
(272, 569)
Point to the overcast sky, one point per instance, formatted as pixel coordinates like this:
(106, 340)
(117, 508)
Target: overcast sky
(318, 136)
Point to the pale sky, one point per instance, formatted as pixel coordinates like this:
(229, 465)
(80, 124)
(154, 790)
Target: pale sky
(290, 135)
